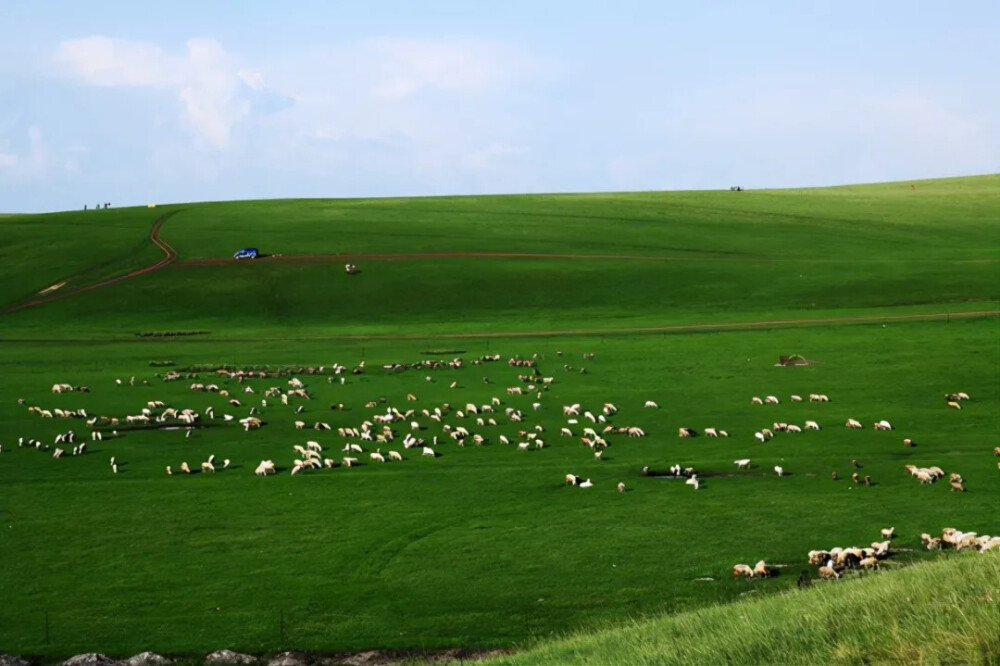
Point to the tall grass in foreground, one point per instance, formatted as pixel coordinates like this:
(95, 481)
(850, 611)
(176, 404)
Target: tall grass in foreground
(939, 612)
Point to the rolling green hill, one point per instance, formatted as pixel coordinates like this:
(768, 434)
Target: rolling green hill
(482, 545)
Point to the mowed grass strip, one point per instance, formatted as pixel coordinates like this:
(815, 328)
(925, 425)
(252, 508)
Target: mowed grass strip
(482, 546)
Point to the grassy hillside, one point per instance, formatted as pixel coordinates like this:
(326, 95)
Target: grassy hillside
(665, 258)
(942, 612)
(481, 545)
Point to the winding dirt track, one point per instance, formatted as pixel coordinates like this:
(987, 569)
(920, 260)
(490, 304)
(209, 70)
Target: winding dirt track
(170, 257)
(170, 254)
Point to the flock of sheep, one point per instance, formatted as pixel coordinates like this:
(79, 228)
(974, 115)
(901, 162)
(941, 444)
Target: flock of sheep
(393, 430)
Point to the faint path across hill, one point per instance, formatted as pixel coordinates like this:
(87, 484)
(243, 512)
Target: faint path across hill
(170, 254)
(677, 328)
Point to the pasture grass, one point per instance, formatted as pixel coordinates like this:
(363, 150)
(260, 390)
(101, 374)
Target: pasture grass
(944, 612)
(483, 546)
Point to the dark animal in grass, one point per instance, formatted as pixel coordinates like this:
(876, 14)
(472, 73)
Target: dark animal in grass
(855, 464)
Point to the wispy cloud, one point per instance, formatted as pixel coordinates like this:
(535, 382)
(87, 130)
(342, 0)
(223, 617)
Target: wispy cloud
(28, 164)
(213, 89)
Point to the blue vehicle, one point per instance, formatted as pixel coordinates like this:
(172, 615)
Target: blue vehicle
(246, 253)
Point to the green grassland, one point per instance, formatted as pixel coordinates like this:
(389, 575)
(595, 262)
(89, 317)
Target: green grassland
(941, 612)
(484, 545)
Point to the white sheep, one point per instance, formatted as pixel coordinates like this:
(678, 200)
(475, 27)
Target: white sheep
(811, 425)
(692, 481)
(779, 470)
(888, 532)
(742, 463)
(853, 423)
(650, 404)
(585, 484)
(395, 455)
(883, 425)
(771, 400)
(207, 467)
(621, 487)
(428, 451)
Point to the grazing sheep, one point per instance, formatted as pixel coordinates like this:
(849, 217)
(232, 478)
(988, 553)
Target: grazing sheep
(759, 436)
(686, 432)
(114, 469)
(869, 563)
(585, 484)
(693, 481)
(828, 572)
(743, 570)
(771, 400)
(428, 451)
(395, 455)
(226, 463)
(793, 428)
(957, 485)
(907, 442)
(761, 569)
(779, 470)
(621, 487)
(953, 404)
(572, 479)
(711, 432)
(742, 463)
(883, 425)
(377, 456)
(855, 478)
(651, 404)
(756, 400)
(868, 480)
(796, 398)
(888, 532)
(812, 425)
(185, 468)
(207, 467)
(853, 423)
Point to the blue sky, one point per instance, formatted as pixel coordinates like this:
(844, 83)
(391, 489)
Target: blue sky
(189, 101)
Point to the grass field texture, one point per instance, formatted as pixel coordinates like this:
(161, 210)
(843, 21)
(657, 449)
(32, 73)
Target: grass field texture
(483, 545)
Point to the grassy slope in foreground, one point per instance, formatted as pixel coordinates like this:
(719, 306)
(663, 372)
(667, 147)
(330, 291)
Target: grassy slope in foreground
(946, 611)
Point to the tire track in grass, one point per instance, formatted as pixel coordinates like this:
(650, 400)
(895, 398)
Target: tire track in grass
(170, 255)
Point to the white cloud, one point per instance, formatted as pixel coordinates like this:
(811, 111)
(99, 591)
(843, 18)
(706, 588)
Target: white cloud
(209, 83)
(405, 66)
(103, 61)
(30, 164)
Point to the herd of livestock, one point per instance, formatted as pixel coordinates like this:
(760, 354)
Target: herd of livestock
(388, 432)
